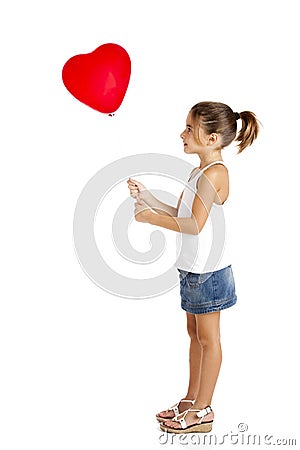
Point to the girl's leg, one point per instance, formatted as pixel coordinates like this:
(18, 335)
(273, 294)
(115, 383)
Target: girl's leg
(208, 332)
(195, 357)
(208, 328)
(195, 366)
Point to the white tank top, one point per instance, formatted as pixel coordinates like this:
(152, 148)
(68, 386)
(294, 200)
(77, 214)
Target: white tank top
(206, 251)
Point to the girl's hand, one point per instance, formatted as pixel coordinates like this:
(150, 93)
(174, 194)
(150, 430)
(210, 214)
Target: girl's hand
(142, 212)
(137, 188)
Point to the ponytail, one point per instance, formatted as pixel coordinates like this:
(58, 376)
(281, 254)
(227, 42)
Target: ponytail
(249, 131)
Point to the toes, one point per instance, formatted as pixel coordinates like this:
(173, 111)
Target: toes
(165, 415)
(168, 423)
(171, 424)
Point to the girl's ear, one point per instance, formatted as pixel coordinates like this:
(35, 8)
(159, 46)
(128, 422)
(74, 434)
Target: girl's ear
(213, 138)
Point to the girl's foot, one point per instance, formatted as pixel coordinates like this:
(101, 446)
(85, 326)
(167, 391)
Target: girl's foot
(169, 413)
(190, 418)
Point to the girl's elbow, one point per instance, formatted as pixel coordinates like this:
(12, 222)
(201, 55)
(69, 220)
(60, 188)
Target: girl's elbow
(196, 233)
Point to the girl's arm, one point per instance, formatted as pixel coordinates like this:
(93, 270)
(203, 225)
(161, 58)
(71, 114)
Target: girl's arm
(164, 209)
(207, 192)
(180, 224)
(138, 190)
(159, 207)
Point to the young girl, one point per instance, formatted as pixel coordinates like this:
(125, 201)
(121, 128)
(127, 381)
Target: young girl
(205, 273)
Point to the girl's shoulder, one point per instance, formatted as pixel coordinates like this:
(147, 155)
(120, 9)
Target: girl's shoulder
(217, 174)
(217, 167)
(216, 171)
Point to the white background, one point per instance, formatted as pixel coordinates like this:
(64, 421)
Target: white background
(83, 369)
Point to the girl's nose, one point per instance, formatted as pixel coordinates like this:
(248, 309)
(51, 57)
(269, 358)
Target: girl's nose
(181, 135)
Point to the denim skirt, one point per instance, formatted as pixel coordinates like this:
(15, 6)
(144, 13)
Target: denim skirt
(203, 293)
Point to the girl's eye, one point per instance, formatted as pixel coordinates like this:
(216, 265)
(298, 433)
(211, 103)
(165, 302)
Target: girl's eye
(189, 129)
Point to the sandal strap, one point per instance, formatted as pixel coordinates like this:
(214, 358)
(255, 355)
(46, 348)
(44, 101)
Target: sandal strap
(199, 412)
(182, 419)
(175, 409)
(202, 412)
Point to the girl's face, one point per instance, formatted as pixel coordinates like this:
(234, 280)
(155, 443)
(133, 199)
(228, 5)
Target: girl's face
(189, 141)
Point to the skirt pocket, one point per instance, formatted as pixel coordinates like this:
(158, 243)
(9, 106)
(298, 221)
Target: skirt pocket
(195, 280)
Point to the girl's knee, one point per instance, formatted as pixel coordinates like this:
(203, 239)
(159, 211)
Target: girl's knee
(192, 332)
(209, 340)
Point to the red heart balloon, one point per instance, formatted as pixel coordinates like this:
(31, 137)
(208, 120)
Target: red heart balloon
(99, 79)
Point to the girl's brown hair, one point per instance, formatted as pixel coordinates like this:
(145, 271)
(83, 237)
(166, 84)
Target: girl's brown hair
(215, 117)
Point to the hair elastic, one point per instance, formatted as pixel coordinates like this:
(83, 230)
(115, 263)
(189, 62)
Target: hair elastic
(237, 115)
